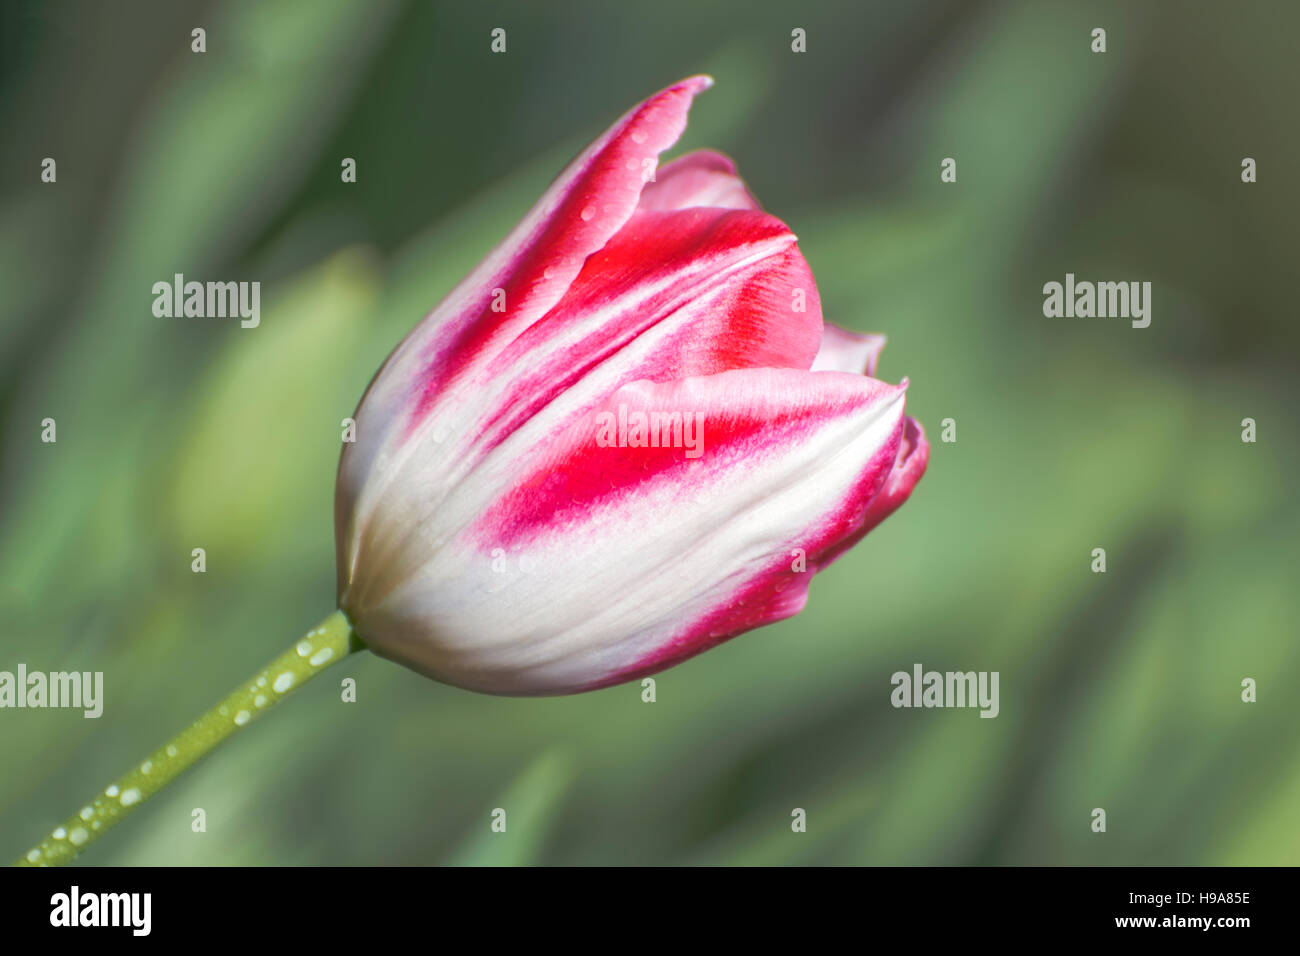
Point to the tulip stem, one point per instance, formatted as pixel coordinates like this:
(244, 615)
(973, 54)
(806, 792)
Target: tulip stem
(330, 641)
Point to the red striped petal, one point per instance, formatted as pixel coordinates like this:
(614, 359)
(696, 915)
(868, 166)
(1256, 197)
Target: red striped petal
(702, 178)
(587, 204)
(672, 295)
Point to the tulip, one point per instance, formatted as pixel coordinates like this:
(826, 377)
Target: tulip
(624, 438)
(493, 535)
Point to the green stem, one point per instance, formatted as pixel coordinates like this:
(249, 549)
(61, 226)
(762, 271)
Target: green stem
(328, 642)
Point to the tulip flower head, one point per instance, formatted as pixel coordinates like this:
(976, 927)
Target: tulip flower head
(625, 437)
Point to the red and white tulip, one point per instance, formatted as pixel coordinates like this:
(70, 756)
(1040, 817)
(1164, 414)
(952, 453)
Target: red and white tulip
(624, 438)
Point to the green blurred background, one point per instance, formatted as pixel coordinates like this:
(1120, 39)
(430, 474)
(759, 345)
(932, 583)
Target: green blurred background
(1118, 690)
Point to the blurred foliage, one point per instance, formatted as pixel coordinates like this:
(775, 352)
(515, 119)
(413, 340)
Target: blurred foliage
(1118, 690)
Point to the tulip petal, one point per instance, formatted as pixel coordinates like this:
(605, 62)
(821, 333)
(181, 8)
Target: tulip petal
(913, 456)
(515, 285)
(702, 178)
(843, 350)
(586, 205)
(672, 295)
(598, 563)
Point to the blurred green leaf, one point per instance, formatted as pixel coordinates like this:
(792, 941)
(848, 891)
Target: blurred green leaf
(531, 805)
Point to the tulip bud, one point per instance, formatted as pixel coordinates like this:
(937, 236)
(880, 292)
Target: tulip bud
(596, 457)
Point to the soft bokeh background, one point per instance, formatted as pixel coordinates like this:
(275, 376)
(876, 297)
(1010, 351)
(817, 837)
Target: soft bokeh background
(1119, 690)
